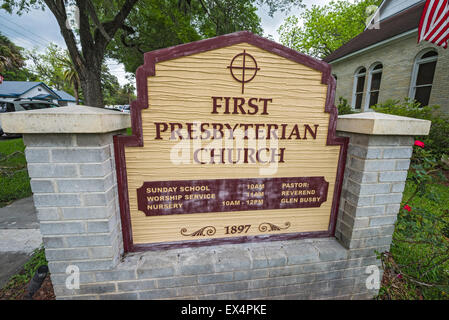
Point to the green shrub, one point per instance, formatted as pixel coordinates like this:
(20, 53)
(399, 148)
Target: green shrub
(418, 262)
(437, 142)
(343, 107)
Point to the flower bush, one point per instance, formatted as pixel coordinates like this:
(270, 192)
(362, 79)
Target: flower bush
(417, 266)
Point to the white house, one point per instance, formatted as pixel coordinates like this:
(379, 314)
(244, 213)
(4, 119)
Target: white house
(34, 90)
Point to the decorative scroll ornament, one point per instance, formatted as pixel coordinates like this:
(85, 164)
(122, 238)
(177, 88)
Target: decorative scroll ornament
(205, 231)
(268, 227)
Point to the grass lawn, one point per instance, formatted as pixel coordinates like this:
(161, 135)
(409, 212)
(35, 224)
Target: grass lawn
(420, 248)
(14, 180)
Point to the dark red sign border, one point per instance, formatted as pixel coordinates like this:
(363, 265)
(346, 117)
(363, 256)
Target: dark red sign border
(136, 140)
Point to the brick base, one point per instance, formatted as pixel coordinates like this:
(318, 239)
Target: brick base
(73, 179)
(301, 269)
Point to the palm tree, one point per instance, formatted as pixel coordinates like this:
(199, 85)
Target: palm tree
(129, 89)
(71, 75)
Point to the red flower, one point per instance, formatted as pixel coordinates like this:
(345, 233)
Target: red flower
(419, 143)
(399, 276)
(408, 208)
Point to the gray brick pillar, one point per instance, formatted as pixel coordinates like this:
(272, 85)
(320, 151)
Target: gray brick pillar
(378, 159)
(70, 158)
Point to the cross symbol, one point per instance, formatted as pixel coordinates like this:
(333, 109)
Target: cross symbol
(244, 68)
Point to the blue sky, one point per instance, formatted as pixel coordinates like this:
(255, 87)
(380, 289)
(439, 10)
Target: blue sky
(39, 28)
(271, 25)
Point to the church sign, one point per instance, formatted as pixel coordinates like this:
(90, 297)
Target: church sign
(233, 141)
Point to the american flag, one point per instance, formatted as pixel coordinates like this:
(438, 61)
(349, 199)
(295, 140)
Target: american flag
(434, 24)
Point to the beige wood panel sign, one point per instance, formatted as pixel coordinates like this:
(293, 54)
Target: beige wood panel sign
(233, 140)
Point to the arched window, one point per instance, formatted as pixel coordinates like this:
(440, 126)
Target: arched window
(422, 76)
(359, 87)
(374, 78)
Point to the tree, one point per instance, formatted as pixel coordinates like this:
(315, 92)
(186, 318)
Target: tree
(10, 55)
(227, 16)
(71, 76)
(154, 24)
(48, 67)
(128, 89)
(114, 94)
(94, 34)
(12, 61)
(110, 85)
(55, 68)
(326, 28)
(151, 25)
(100, 21)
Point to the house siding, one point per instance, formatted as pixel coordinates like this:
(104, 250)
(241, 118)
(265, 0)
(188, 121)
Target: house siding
(398, 59)
(35, 91)
(390, 8)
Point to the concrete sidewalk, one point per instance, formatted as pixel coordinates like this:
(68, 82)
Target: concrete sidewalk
(19, 236)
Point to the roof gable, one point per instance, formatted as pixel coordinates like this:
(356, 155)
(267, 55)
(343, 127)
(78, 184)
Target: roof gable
(395, 25)
(18, 88)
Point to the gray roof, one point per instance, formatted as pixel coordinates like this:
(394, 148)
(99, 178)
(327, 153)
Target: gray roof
(17, 88)
(65, 96)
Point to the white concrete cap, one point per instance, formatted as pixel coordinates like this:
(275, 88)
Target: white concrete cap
(375, 123)
(73, 119)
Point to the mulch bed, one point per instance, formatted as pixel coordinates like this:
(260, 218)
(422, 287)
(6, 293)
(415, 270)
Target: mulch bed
(395, 286)
(45, 292)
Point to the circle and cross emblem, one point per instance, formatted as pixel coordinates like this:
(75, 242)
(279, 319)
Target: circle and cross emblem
(249, 63)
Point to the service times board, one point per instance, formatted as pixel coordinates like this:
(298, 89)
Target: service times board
(233, 141)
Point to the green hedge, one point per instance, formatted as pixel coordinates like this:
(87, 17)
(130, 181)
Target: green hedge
(437, 142)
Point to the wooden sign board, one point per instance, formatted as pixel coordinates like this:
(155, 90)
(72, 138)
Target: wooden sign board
(233, 141)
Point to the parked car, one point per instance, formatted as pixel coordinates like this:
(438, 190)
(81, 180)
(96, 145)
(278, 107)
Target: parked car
(125, 109)
(7, 105)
